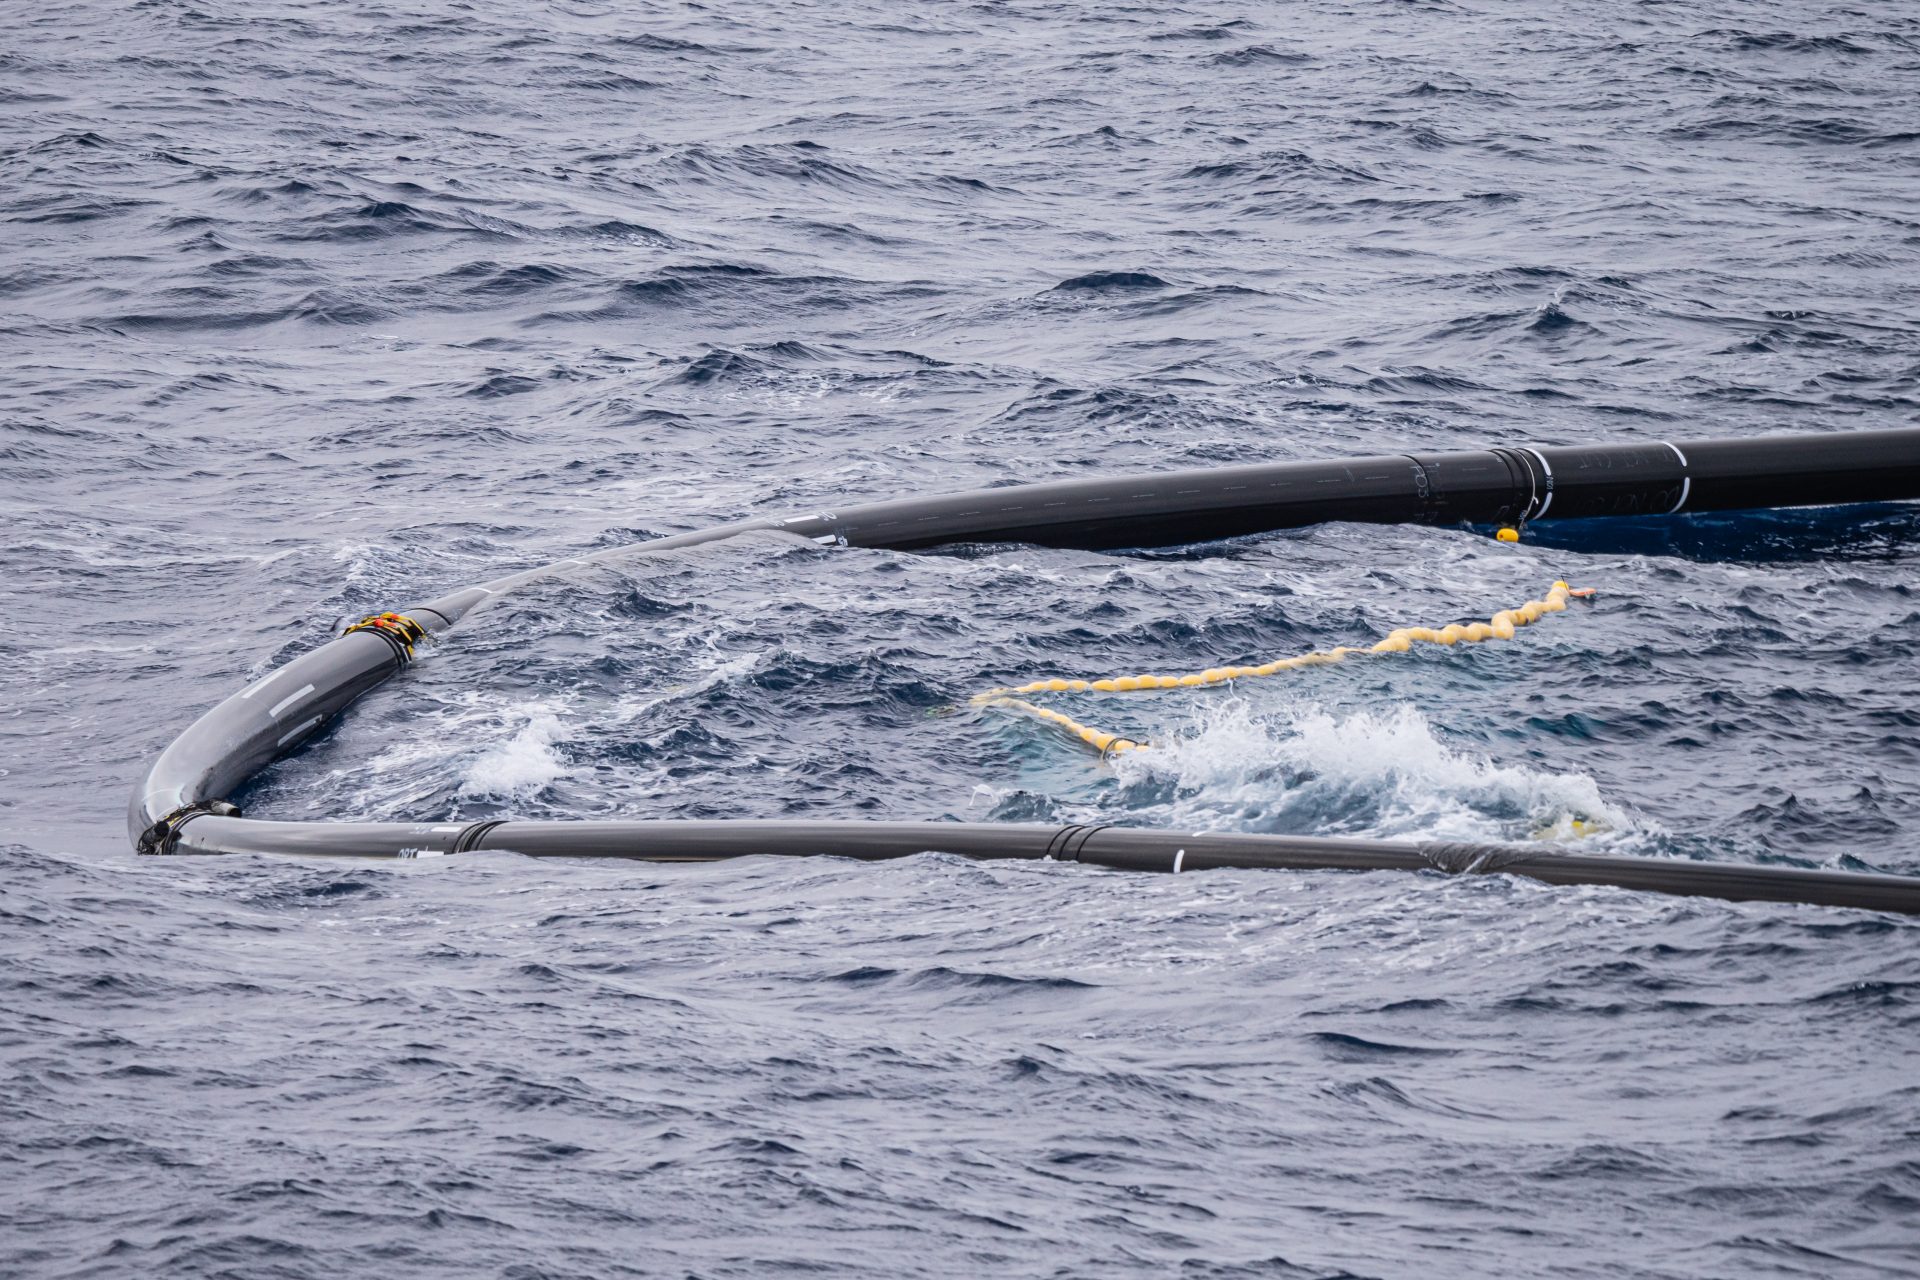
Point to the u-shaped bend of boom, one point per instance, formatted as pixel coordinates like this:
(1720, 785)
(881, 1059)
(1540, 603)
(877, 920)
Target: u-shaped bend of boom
(181, 806)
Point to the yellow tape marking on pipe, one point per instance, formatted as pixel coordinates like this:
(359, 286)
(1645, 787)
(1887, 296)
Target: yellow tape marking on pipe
(1500, 627)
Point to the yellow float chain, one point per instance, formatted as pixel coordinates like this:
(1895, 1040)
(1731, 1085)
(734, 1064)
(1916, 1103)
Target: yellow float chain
(1500, 627)
(1107, 744)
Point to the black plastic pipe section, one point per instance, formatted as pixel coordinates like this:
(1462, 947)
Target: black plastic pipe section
(1120, 848)
(182, 807)
(1487, 486)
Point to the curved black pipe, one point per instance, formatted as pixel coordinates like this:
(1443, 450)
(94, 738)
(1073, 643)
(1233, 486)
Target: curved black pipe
(181, 806)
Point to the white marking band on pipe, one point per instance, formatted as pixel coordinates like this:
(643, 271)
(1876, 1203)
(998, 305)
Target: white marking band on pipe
(1686, 481)
(1548, 500)
(263, 682)
(1179, 857)
(299, 729)
(288, 701)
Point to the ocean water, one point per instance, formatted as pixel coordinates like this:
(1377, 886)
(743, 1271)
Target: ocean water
(311, 309)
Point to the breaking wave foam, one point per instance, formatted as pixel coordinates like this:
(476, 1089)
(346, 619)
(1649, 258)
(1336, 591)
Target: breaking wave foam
(1384, 773)
(520, 766)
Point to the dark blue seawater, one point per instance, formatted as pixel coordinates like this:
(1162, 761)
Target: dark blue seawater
(309, 309)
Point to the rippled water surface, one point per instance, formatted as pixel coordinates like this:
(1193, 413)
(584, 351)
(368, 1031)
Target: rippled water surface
(311, 309)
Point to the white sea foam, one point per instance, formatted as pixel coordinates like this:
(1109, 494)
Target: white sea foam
(521, 765)
(1380, 773)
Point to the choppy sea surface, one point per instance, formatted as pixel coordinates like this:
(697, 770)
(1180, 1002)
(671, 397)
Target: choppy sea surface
(313, 309)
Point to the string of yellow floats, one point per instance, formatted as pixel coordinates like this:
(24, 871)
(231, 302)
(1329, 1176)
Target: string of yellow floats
(1499, 627)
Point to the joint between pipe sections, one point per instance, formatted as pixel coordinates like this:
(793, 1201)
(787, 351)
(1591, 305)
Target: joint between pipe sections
(1452, 487)
(1457, 859)
(1051, 854)
(158, 840)
(399, 631)
(472, 834)
(1540, 483)
(1517, 469)
(1061, 846)
(1086, 833)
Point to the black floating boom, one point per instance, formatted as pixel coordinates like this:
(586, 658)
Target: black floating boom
(182, 807)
